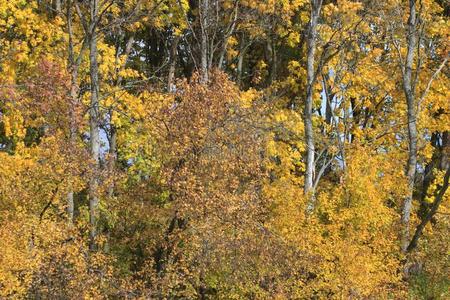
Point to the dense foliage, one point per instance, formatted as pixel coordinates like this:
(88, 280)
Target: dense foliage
(224, 149)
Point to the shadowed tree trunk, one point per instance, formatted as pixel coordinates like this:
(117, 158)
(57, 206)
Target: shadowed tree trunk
(74, 62)
(173, 64)
(244, 45)
(94, 120)
(74, 99)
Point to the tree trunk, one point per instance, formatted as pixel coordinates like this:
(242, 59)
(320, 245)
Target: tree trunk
(73, 126)
(307, 115)
(242, 50)
(409, 90)
(74, 65)
(273, 61)
(204, 7)
(94, 125)
(58, 6)
(112, 157)
(223, 52)
(173, 64)
(73, 133)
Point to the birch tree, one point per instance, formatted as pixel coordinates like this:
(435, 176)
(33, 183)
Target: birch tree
(308, 109)
(410, 68)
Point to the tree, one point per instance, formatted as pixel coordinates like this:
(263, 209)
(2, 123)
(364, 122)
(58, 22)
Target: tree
(170, 149)
(413, 104)
(316, 5)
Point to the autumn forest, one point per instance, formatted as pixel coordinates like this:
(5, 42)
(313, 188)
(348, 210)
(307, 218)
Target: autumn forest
(224, 149)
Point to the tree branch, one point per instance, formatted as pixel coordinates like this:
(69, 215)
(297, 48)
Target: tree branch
(438, 199)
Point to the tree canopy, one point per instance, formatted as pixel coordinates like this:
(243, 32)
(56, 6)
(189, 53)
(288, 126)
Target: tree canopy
(224, 149)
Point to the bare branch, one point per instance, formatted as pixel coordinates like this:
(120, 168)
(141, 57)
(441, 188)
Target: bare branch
(432, 78)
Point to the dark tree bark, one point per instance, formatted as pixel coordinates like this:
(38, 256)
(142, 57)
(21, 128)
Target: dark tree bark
(94, 124)
(74, 62)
